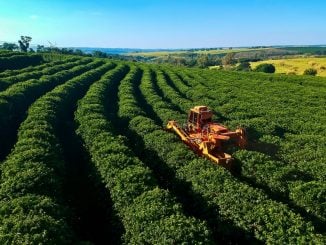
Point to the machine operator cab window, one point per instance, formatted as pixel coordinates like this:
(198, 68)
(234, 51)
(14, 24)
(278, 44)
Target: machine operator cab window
(198, 117)
(193, 120)
(205, 121)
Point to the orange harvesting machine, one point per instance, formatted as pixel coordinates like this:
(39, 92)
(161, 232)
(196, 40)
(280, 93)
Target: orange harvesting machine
(208, 138)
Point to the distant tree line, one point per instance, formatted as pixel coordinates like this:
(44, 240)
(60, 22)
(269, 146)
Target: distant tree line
(239, 61)
(9, 46)
(198, 60)
(23, 45)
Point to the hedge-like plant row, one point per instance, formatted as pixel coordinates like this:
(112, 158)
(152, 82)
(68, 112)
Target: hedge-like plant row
(32, 176)
(19, 61)
(9, 73)
(267, 172)
(181, 97)
(166, 108)
(6, 82)
(170, 93)
(150, 215)
(180, 84)
(16, 99)
(196, 95)
(191, 86)
(10, 53)
(246, 207)
(285, 159)
(276, 99)
(285, 180)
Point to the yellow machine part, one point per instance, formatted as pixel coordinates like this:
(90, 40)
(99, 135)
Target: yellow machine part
(223, 159)
(173, 125)
(205, 147)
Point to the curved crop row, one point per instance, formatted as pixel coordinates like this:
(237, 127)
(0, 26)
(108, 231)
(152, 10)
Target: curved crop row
(9, 73)
(203, 91)
(149, 214)
(284, 179)
(175, 85)
(7, 53)
(15, 100)
(275, 100)
(19, 61)
(32, 175)
(192, 90)
(152, 95)
(128, 111)
(246, 207)
(8, 81)
(183, 99)
(179, 83)
(170, 92)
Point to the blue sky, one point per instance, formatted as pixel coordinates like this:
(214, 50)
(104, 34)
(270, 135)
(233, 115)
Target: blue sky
(164, 23)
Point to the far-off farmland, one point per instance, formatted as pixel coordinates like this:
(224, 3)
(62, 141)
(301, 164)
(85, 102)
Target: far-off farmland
(297, 66)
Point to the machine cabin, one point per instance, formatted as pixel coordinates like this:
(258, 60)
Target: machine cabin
(198, 117)
(208, 138)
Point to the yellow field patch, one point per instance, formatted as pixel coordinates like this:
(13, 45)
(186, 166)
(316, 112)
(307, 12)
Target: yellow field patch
(297, 65)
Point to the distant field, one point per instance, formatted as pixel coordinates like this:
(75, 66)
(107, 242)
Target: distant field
(319, 50)
(297, 65)
(181, 52)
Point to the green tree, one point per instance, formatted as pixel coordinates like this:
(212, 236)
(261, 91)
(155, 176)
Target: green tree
(78, 52)
(265, 67)
(228, 59)
(24, 43)
(99, 54)
(9, 46)
(40, 48)
(244, 66)
(203, 61)
(310, 71)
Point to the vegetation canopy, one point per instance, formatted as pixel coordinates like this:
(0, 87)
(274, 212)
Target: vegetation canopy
(267, 68)
(310, 71)
(85, 157)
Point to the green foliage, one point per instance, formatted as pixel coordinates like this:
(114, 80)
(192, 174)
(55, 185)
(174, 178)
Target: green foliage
(307, 50)
(276, 197)
(228, 59)
(52, 68)
(162, 221)
(9, 46)
(100, 54)
(203, 61)
(312, 196)
(19, 61)
(267, 68)
(24, 43)
(310, 71)
(33, 219)
(9, 73)
(35, 169)
(132, 185)
(244, 66)
(234, 200)
(17, 98)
